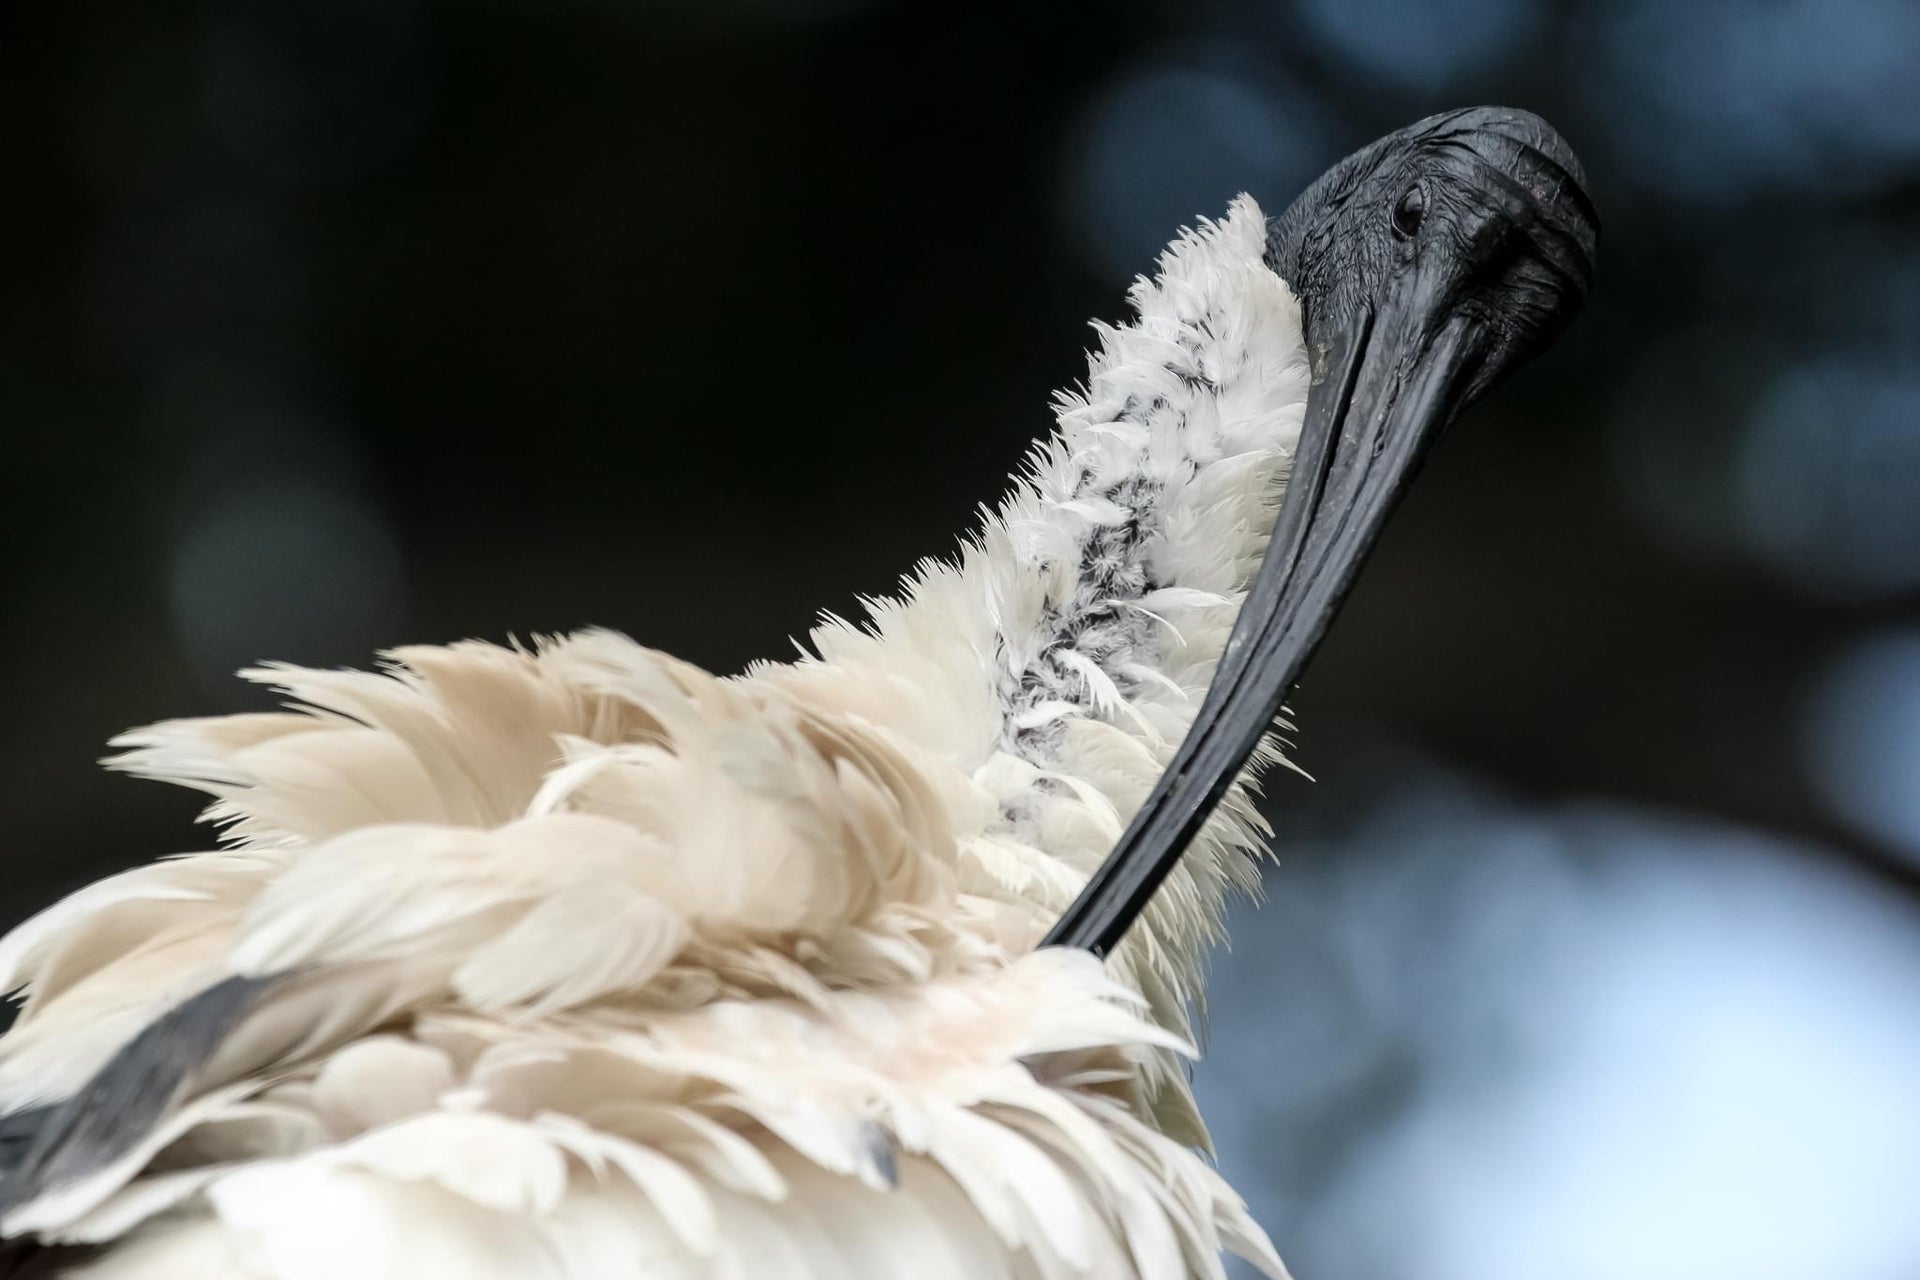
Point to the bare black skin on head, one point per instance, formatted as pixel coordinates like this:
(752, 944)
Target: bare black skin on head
(1428, 265)
(1481, 214)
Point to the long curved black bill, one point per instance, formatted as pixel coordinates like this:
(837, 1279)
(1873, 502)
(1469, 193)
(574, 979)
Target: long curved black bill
(1376, 403)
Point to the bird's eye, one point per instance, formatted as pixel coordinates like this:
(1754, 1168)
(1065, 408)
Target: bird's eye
(1409, 212)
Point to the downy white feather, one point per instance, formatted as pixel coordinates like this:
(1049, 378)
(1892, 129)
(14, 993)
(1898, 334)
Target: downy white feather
(594, 964)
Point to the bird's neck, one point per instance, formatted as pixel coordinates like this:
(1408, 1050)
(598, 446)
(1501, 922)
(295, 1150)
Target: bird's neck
(1143, 518)
(1060, 660)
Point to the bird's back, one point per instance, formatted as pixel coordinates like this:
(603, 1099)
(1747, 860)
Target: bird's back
(574, 960)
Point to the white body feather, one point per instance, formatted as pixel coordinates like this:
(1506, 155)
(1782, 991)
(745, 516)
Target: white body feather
(604, 967)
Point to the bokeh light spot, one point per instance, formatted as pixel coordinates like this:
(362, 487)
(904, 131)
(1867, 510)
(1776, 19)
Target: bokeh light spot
(1589, 1042)
(1421, 44)
(1828, 476)
(1166, 145)
(1862, 738)
(1722, 98)
(294, 573)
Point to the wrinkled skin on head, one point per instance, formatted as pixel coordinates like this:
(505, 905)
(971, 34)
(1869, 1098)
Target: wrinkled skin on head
(1480, 213)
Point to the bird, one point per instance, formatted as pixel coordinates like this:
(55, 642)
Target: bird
(567, 958)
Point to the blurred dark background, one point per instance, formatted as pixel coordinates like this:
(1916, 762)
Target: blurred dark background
(327, 325)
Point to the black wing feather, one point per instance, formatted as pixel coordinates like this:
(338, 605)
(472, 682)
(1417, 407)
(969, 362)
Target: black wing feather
(46, 1147)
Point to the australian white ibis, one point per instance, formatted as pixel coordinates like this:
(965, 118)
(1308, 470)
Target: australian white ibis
(573, 960)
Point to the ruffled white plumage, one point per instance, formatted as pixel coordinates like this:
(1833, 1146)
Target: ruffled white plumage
(597, 964)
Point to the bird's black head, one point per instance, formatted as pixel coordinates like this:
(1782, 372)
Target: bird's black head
(1476, 219)
(1427, 266)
